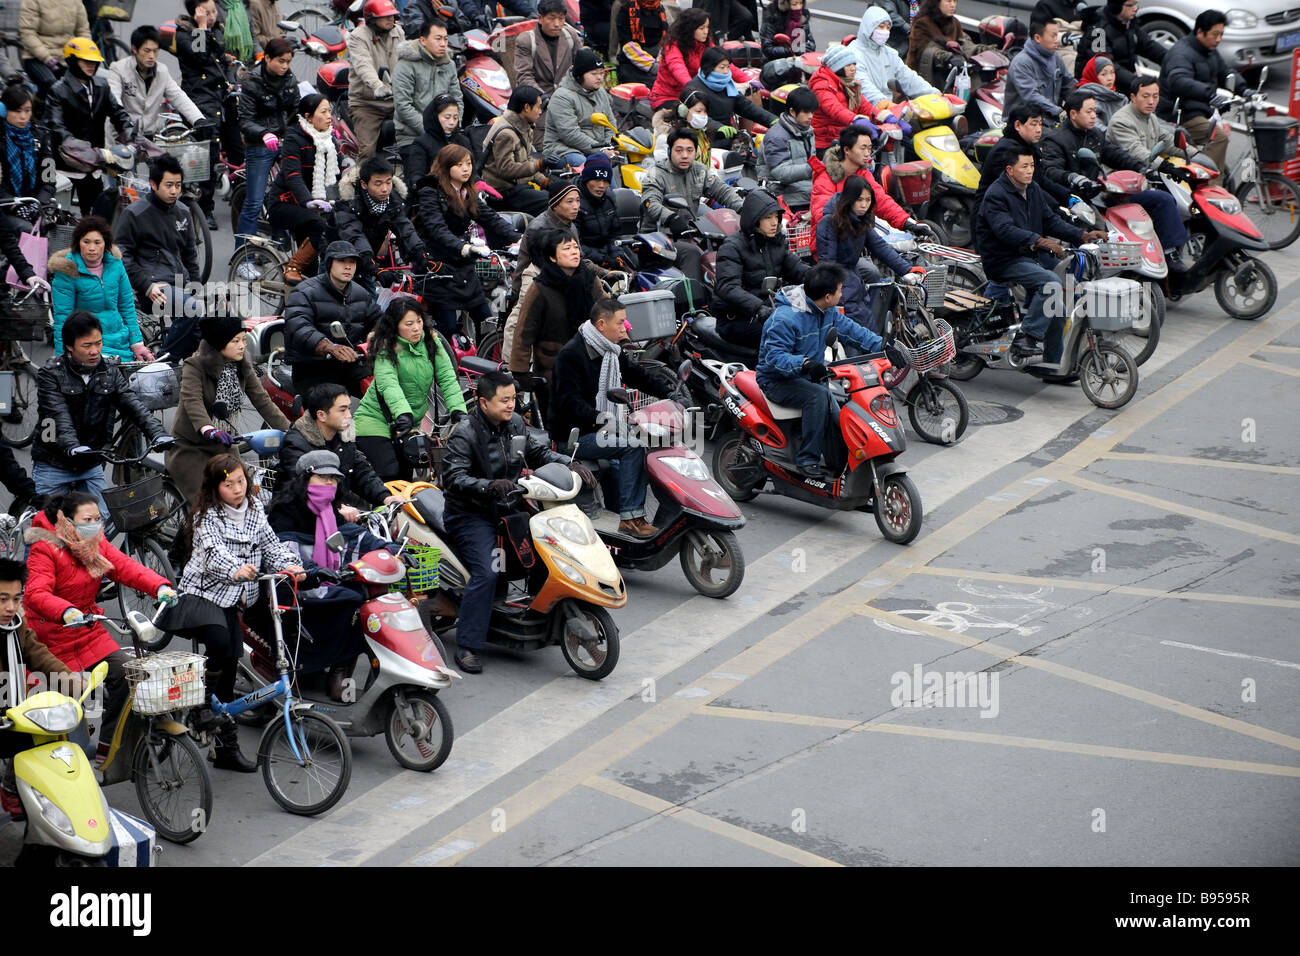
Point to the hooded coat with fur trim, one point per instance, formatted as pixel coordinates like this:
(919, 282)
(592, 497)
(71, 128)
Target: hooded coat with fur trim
(107, 296)
(366, 229)
(57, 580)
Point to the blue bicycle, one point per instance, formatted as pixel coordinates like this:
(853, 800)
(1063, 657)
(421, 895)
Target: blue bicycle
(305, 758)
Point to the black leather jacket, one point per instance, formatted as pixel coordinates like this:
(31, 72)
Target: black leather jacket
(478, 452)
(70, 112)
(83, 412)
(266, 104)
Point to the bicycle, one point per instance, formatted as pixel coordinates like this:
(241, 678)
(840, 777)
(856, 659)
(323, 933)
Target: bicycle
(171, 778)
(302, 750)
(1269, 199)
(23, 317)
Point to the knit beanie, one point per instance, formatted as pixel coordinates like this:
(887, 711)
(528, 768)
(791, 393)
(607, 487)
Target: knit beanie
(584, 61)
(837, 57)
(597, 166)
(218, 331)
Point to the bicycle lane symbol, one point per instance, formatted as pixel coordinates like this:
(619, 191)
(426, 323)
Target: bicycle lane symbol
(1009, 610)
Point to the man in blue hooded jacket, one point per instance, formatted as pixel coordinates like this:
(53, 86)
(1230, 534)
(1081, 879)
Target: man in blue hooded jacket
(791, 357)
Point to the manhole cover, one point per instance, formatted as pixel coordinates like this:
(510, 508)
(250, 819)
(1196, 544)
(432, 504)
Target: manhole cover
(993, 413)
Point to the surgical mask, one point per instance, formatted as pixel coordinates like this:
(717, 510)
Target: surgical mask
(90, 530)
(880, 36)
(699, 120)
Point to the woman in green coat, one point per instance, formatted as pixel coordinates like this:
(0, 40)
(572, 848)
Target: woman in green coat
(89, 276)
(408, 357)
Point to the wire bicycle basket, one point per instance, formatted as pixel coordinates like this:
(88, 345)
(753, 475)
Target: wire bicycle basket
(931, 353)
(166, 682)
(423, 563)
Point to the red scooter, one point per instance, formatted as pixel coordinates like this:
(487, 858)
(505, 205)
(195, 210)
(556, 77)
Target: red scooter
(762, 444)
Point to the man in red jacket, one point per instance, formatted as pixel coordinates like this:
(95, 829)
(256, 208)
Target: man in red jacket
(849, 156)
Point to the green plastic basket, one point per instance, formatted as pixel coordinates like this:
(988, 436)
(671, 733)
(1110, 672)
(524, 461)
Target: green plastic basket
(422, 574)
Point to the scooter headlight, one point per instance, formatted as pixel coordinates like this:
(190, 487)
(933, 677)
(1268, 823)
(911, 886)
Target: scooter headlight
(945, 143)
(691, 468)
(540, 492)
(1228, 205)
(1144, 228)
(51, 813)
(407, 619)
(59, 719)
(570, 572)
(569, 530)
(316, 47)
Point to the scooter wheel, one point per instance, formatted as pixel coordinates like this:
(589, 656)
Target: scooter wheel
(965, 367)
(592, 661)
(429, 748)
(732, 468)
(713, 575)
(898, 509)
(1249, 301)
(937, 410)
(1108, 375)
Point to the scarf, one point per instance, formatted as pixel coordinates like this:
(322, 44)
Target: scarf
(323, 174)
(20, 153)
(87, 552)
(719, 82)
(794, 30)
(610, 376)
(230, 391)
(320, 501)
(239, 36)
(639, 8)
(376, 207)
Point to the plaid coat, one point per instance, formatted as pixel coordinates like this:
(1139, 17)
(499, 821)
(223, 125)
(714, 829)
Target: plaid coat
(223, 544)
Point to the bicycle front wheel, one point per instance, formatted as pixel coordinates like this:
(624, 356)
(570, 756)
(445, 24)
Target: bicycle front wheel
(1273, 205)
(262, 268)
(314, 778)
(173, 786)
(19, 423)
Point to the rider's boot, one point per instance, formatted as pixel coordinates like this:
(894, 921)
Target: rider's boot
(1025, 346)
(304, 256)
(227, 746)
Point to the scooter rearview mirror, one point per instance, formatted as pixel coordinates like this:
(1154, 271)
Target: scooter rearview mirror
(337, 331)
(573, 442)
(1263, 78)
(335, 542)
(684, 370)
(832, 337)
(288, 26)
(518, 444)
(600, 119)
(771, 284)
(96, 678)
(677, 202)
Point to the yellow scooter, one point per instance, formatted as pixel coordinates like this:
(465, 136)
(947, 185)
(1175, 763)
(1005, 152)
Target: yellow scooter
(635, 147)
(67, 818)
(955, 178)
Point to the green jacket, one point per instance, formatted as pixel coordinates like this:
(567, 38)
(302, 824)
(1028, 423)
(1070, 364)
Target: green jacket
(405, 387)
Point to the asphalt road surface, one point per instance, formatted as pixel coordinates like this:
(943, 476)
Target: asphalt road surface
(1085, 658)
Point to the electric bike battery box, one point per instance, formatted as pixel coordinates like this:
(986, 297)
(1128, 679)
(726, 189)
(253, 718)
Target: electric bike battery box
(652, 315)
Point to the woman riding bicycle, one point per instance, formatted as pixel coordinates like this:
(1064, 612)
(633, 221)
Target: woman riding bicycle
(90, 276)
(408, 356)
(215, 381)
(232, 544)
(307, 187)
(68, 560)
(305, 512)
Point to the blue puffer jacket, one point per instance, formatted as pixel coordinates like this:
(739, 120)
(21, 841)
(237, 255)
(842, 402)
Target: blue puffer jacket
(797, 331)
(109, 298)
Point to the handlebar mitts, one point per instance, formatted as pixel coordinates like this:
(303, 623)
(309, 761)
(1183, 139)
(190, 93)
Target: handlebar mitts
(502, 488)
(678, 222)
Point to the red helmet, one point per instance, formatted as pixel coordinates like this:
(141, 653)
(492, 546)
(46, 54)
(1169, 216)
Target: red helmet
(379, 8)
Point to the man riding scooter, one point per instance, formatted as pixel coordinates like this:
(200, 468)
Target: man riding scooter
(1015, 224)
(591, 363)
(479, 477)
(791, 362)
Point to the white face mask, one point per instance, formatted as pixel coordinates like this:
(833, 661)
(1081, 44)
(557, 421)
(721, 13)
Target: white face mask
(880, 36)
(699, 120)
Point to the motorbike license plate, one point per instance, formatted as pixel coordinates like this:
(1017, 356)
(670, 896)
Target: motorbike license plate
(1288, 41)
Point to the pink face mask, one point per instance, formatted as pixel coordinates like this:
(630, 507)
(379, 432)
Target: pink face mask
(321, 494)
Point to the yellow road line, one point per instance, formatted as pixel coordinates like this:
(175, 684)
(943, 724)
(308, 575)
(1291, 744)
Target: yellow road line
(1284, 349)
(1272, 367)
(705, 822)
(1103, 588)
(1004, 740)
(1202, 462)
(666, 714)
(1090, 680)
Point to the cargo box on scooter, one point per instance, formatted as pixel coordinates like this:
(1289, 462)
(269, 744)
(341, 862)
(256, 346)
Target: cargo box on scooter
(652, 315)
(1111, 304)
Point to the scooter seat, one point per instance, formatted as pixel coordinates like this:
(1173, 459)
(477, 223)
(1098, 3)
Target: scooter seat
(747, 382)
(431, 504)
(706, 328)
(284, 376)
(478, 365)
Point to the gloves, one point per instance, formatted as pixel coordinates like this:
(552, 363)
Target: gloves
(52, 63)
(483, 252)
(1062, 115)
(678, 222)
(271, 141)
(911, 278)
(324, 205)
(917, 228)
(458, 416)
(886, 117)
(863, 123)
(905, 127)
(72, 616)
(81, 450)
(554, 164)
(814, 370)
(586, 474)
(502, 488)
(213, 433)
(167, 594)
(36, 282)
(727, 131)
(1248, 92)
(780, 52)
(1218, 101)
(403, 423)
(896, 357)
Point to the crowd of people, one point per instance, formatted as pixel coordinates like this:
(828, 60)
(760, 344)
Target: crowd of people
(817, 154)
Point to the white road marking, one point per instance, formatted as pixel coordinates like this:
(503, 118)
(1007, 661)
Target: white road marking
(1223, 653)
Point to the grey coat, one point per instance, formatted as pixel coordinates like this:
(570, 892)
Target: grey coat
(784, 157)
(417, 79)
(667, 180)
(568, 118)
(1036, 76)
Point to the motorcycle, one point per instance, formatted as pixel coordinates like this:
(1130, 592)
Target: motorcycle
(696, 519)
(67, 817)
(484, 83)
(985, 322)
(634, 147)
(405, 670)
(559, 576)
(761, 439)
(986, 89)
